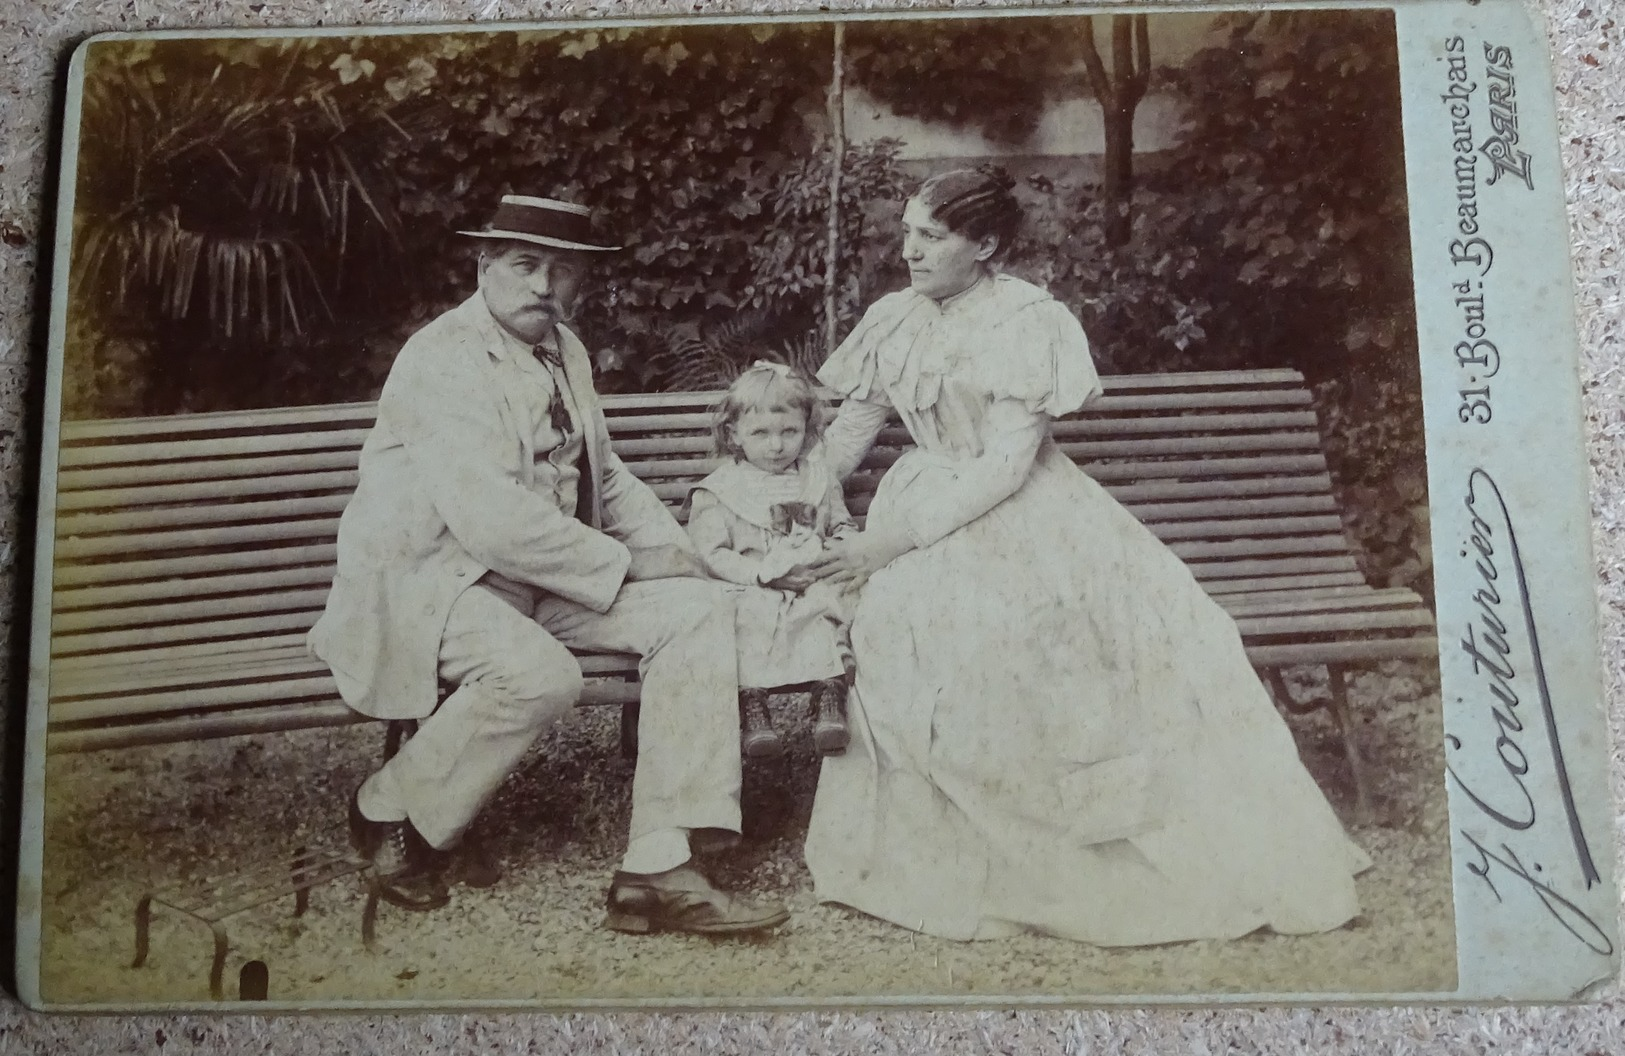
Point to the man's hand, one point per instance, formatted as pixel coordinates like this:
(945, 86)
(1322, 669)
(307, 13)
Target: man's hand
(667, 561)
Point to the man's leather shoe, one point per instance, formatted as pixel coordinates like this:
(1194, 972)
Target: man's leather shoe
(410, 872)
(682, 899)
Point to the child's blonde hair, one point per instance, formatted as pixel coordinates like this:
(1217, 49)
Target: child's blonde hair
(769, 387)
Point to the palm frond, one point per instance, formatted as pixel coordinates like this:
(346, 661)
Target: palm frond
(228, 205)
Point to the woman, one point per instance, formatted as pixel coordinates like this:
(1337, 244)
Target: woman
(1053, 727)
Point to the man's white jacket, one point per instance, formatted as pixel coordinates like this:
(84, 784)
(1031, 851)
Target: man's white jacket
(446, 494)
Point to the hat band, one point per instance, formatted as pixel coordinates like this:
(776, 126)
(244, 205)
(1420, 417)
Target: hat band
(546, 223)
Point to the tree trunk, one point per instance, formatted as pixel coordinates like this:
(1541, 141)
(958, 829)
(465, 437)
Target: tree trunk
(1119, 93)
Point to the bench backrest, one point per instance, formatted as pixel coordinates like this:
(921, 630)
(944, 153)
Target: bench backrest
(182, 530)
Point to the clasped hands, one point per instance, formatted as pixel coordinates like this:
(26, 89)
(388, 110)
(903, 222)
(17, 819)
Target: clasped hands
(853, 558)
(850, 559)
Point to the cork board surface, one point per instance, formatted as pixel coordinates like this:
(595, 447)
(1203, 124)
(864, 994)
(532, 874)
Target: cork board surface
(34, 41)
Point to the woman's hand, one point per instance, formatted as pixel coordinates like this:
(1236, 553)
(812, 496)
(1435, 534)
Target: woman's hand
(856, 557)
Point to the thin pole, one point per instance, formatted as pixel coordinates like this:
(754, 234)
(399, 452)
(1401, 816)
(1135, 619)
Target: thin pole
(837, 129)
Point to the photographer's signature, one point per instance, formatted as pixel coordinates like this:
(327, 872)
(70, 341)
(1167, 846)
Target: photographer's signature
(1504, 646)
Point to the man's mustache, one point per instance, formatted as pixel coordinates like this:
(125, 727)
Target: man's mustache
(562, 312)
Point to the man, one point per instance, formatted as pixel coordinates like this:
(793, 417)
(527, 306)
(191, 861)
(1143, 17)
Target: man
(492, 527)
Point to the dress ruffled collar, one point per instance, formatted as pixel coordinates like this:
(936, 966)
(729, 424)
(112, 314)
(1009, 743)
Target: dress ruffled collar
(886, 353)
(751, 493)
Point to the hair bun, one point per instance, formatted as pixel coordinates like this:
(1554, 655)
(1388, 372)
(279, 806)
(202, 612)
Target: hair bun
(999, 175)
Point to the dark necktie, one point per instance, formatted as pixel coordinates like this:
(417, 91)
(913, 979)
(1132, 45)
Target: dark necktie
(557, 414)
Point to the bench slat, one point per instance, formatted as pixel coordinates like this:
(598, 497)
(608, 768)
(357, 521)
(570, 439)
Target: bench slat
(80, 548)
(1333, 598)
(219, 698)
(122, 498)
(1286, 655)
(73, 681)
(112, 674)
(1256, 567)
(70, 623)
(1220, 587)
(1326, 526)
(199, 653)
(221, 469)
(1262, 547)
(264, 719)
(151, 590)
(122, 429)
(1215, 509)
(214, 448)
(103, 641)
(194, 564)
(85, 524)
(1341, 623)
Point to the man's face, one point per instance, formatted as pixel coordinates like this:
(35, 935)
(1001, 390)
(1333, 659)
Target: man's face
(530, 289)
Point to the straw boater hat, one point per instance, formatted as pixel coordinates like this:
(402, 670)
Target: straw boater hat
(543, 222)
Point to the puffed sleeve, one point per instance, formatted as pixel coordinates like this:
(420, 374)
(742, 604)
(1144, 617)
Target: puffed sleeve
(1045, 361)
(854, 369)
(853, 432)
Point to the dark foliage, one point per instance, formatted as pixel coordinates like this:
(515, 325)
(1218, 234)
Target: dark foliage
(994, 75)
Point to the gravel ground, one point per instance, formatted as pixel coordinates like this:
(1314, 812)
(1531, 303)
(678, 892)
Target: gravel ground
(123, 821)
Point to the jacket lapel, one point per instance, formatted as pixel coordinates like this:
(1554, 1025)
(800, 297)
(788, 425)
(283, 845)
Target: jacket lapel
(515, 423)
(594, 438)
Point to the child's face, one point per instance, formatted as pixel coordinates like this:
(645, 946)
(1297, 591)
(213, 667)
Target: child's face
(771, 438)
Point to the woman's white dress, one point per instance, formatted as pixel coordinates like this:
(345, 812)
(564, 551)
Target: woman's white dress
(1053, 727)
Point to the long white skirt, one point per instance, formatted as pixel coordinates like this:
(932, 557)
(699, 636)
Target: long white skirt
(1055, 729)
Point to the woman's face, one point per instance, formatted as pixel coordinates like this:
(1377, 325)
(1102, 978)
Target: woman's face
(941, 262)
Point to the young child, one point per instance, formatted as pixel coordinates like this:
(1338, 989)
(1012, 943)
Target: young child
(757, 520)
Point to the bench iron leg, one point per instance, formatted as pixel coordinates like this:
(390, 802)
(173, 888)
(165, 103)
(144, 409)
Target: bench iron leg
(369, 912)
(1337, 675)
(217, 969)
(299, 870)
(143, 922)
(630, 711)
(395, 733)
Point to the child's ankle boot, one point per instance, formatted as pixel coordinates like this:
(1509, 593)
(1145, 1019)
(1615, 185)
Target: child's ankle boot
(757, 737)
(830, 733)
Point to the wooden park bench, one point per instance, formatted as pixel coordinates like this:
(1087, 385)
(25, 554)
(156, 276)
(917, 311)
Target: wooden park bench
(193, 552)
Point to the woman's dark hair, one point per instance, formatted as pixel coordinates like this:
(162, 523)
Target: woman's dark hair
(974, 203)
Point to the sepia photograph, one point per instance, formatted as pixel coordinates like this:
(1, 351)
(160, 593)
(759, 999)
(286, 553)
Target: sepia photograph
(743, 512)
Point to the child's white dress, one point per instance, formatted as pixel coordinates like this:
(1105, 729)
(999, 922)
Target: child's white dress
(1053, 726)
(784, 638)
